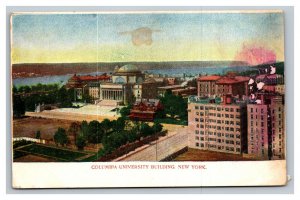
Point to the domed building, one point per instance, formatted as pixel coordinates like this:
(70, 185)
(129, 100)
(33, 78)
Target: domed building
(126, 85)
(128, 74)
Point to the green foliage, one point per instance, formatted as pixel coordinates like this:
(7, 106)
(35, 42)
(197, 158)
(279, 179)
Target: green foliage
(17, 144)
(106, 126)
(65, 97)
(43, 94)
(18, 106)
(87, 98)
(146, 129)
(60, 137)
(114, 141)
(84, 128)
(95, 132)
(168, 120)
(157, 127)
(38, 135)
(173, 105)
(55, 153)
(125, 111)
(80, 142)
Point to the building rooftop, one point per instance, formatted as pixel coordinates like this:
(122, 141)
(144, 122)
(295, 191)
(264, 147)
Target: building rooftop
(232, 80)
(209, 78)
(171, 87)
(216, 100)
(129, 68)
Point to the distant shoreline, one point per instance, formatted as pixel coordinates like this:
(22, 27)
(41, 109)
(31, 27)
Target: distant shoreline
(27, 70)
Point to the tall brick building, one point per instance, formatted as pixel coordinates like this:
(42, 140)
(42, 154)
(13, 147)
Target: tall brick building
(217, 124)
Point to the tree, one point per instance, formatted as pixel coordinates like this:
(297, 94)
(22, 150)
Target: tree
(146, 129)
(60, 137)
(18, 106)
(80, 142)
(174, 105)
(64, 97)
(38, 135)
(74, 129)
(84, 130)
(119, 124)
(125, 111)
(106, 126)
(157, 127)
(86, 98)
(95, 132)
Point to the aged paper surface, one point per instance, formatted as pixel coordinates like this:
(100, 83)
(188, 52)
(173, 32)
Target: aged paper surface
(148, 99)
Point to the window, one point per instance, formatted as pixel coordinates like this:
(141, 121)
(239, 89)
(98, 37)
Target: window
(197, 144)
(196, 132)
(237, 110)
(196, 138)
(196, 107)
(251, 110)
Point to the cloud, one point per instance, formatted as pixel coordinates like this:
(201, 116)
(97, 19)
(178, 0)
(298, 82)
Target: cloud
(141, 36)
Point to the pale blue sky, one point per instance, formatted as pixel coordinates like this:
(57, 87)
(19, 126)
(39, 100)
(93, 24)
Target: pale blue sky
(37, 37)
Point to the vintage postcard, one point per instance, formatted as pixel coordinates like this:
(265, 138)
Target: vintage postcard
(148, 99)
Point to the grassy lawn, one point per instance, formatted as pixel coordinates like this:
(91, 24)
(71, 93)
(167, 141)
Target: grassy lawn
(168, 120)
(59, 154)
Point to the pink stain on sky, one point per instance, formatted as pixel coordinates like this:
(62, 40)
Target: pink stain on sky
(256, 55)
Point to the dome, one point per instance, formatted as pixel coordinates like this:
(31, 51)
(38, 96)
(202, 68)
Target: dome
(128, 68)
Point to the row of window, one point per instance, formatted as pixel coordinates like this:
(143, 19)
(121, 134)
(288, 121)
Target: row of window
(226, 128)
(218, 147)
(227, 135)
(217, 108)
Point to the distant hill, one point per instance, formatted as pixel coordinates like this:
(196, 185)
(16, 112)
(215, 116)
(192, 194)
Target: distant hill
(46, 69)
